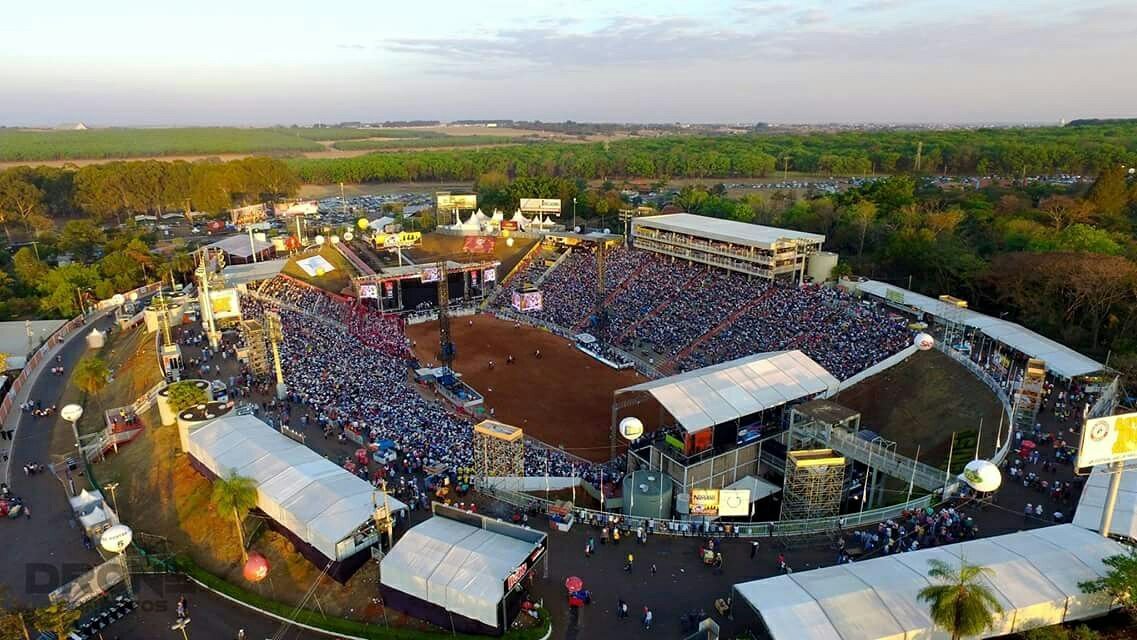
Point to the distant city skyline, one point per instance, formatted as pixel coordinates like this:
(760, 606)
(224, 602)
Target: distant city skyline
(256, 62)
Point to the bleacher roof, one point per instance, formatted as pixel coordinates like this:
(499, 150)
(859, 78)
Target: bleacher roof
(1035, 576)
(1059, 358)
(730, 390)
(740, 233)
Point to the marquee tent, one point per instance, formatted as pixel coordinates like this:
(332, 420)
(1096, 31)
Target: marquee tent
(319, 502)
(1092, 502)
(239, 274)
(459, 566)
(1060, 359)
(731, 390)
(240, 248)
(1035, 576)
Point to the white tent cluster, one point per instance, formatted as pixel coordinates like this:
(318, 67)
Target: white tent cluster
(314, 498)
(1035, 575)
(1060, 359)
(479, 222)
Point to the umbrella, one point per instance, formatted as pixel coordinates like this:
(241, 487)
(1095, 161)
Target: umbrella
(573, 584)
(1028, 444)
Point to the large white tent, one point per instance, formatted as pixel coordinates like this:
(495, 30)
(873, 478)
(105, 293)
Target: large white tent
(458, 566)
(1060, 359)
(731, 390)
(1035, 576)
(1092, 501)
(314, 498)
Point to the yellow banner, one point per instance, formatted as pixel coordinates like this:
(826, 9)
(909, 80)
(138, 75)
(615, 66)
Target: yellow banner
(704, 502)
(401, 239)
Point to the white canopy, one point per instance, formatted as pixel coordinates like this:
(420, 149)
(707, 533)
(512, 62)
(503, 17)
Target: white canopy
(311, 496)
(1035, 576)
(241, 245)
(458, 566)
(498, 216)
(712, 395)
(1092, 501)
(759, 487)
(1061, 360)
(519, 218)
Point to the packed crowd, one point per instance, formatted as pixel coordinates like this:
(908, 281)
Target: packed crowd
(570, 290)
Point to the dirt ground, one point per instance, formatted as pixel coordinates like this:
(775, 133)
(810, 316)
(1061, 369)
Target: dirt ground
(921, 401)
(563, 399)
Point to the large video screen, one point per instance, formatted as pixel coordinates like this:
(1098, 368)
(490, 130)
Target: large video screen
(527, 301)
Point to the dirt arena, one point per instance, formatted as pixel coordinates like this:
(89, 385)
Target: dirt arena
(563, 399)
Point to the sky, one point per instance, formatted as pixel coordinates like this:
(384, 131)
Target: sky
(260, 62)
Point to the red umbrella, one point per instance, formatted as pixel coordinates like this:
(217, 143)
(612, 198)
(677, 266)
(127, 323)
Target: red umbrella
(1028, 444)
(573, 583)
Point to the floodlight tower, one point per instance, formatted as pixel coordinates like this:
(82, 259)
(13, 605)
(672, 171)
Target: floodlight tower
(445, 342)
(203, 299)
(275, 335)
(600, 313)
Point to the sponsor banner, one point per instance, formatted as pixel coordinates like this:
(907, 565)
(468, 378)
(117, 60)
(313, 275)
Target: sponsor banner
(510, 225)
(225, 304)
(431, 274)
(242, 216)
(527, 301)
(490, 275)
(316, 265)
(478, 244)
(1108, 439)
(298, 208)
(389, 288)
(400, 239)
(368, 291)
(704, 502)
(541, 205)
(734, 502)
(474, 278)
(449, 202)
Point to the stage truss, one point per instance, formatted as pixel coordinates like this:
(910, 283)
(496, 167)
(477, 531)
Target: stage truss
(499, 451)
(814, 482)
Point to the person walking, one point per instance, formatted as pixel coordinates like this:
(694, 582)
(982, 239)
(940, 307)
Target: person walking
(628, 563)
(647, 619)
(653, 569)
(753, 548)
(621, 608)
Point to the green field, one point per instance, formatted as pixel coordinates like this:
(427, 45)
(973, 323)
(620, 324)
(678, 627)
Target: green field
(335, 133)
(29, 145)
(426, 142)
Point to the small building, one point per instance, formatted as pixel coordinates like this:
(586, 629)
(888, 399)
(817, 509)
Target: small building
(755, 250)
(71, 126)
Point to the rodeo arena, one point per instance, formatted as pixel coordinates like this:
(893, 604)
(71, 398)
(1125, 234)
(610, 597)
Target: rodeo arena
(689, 424)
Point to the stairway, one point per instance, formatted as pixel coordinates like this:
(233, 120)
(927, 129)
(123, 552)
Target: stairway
(657, 309)
(715, 330)
(878, 457)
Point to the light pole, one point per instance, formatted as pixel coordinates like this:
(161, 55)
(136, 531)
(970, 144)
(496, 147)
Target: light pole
(111, 486)
(574, 213)
(72, 413)
(181, 625)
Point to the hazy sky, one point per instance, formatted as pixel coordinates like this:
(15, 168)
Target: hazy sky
(298, 61)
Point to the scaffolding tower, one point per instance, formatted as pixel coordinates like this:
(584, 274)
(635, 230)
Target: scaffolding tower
(1029, 398)
(814, 484)
(254, 335)
(499, 451)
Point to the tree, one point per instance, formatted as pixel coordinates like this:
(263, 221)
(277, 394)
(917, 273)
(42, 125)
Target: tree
(81, 237)
(1109, 194)
(91, 375)
(58, 618)
(863, 214)
(20, 200)
(184, 395)
(960, 604)
(61, 287)
(1063, 211)
(1120, 582)
(235, 494)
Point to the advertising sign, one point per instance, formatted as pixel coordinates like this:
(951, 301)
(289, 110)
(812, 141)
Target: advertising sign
(474, 278)
(225, 304)
(242, 216)
(298, 208)
(704, 502)
(431, 274)
(541, 205)
(401, 239)
(489, 275)
(449, 202)
(368, 291)
(734, 502)
(1108, 439)
(527, 301)
(478, 244)
(389, 288)
(510, 225)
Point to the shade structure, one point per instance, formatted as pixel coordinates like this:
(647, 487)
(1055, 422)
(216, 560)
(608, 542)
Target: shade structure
(238, 274)
(241, 246)
(1059, 358)
(1092, 501)
(1035, 576)
(712, 395)
(314, 498)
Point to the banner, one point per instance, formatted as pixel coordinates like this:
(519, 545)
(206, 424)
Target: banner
(474, 278)
(1108, 439)
(734, 502)
(489, 275)
(478, 244)
(242, 216)
(401, 239)
(298, 208)
(704, 502)
(368, 291)
(449, 202)
(430, 274)
(225, 304)
(510, 225)
(389, 288)
(541, 205)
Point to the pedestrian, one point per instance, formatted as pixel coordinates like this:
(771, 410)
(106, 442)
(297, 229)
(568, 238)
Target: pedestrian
(628, 564)
(621, 608)
(653, 569)
(240, 634)
(647, 618)
(27, 512)
(1028, 512)
(782, 561)
(615, 535)
(753, 548)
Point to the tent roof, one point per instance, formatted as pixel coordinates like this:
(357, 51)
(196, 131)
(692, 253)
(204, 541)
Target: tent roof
(458, 566)
(1060, 359)
(240, 245)
(1092, 501)
(1035, 576)
(313, 497)
(712, 395)
(741, 233)
(242, 273)
(759, 487)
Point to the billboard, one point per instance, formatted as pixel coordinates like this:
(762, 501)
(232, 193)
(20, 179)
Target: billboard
(242, 216)
(509, 225)
(368, 291)
(430, 274)
(478, 244)
(225, 304)
(489, 275)
(449, 202)
(528, 301)
(704, 502)
(297, 208)
(541, 205)
(402, 239)
(1108, 439)
(734, 502)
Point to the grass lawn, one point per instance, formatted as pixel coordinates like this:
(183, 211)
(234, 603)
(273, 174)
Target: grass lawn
(335, 281)
(30, 145)
(133, 362)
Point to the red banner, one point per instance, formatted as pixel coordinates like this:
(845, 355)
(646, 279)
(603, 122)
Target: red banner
(509, 224)
(478, 244)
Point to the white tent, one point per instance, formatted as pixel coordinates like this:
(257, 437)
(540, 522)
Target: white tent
(457, 566)
(314, 498)
(1035, 576)
(1060, 359)
(498, 217)
(1092, 501)
(712, 395)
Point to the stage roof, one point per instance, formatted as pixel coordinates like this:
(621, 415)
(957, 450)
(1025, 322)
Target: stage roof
(313, 497)
(1035, 576)
(712, 395)
(240, 245)
(1060, 359)
(741, 233)
(458, 566)
(1092, 501)
(237, 274)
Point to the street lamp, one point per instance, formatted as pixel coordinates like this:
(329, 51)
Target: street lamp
(111, 486)
(72, 413)
(574, 212)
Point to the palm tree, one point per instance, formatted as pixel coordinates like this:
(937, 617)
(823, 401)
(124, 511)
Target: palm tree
(235, 494)
(959, 603)
(91, 375)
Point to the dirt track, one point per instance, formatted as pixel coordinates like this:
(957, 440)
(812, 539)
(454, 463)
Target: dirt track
(564, 399)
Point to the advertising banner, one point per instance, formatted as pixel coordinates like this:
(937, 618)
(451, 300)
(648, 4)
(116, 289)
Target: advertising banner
(541, 205)
(474, 278)
(389, 288)
(368, 291)
(225, 304)
(734, 502)
(242, 216)
(430, 274)
(478, 244)
(489, 275)
(704, 502)
(510, 225)
(298, 208)
(401, 239)
(449, 202)
(1108, 439)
